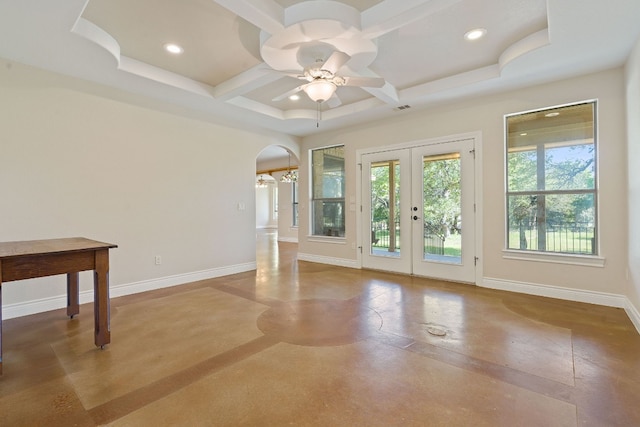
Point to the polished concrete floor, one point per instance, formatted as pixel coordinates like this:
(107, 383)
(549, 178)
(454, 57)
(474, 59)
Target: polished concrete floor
(298, 343)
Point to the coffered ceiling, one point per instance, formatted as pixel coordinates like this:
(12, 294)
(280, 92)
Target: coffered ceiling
(240, 57)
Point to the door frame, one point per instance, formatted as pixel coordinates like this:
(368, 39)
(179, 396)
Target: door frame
(478, 218)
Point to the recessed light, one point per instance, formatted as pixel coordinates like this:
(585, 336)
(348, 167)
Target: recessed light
(294, 97)
(523, 134)
(173, 48)
(552, 114)
(475, 34)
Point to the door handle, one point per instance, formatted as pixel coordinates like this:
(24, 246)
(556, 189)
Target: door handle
(415, 217)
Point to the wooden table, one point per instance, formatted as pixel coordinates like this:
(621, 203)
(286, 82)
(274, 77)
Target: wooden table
(39, 258)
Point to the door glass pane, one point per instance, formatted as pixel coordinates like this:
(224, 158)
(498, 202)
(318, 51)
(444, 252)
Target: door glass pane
(385, 208)
(442, 208)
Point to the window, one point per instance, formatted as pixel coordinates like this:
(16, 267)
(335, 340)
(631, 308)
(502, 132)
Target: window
(294, 198)
(327, 191)
(551, 180)
(274, 202)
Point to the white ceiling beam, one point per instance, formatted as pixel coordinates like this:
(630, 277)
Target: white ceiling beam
(390, 15)
(264, 14)
(160, 75)
(387, 93)
(457, 82)
(255, 77)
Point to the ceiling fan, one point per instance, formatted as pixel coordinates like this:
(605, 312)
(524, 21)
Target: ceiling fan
(322, 80)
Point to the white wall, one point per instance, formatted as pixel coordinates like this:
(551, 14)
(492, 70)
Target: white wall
(486, 115)
(633, 159)
(76, 164)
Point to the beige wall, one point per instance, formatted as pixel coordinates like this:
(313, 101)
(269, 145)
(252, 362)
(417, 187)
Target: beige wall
(76, 164)
(633, 159)
(486, 115)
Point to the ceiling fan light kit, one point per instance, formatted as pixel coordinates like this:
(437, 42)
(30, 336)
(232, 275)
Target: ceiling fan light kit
(320, 90)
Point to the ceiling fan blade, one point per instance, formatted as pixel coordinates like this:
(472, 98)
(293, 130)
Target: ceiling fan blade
(334, 101)
(286, 73)
(364, 81)
(289, 93)
(335, 61)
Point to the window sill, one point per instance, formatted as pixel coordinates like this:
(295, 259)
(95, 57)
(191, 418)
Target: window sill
(584, 260)
(327, 239)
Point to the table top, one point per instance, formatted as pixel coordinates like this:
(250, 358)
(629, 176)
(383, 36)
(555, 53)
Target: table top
(50, 246)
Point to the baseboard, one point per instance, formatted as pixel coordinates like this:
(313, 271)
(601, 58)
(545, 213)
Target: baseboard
(54, 303)
(578, 295)
(20, 309)
(340, 262)
(633, 314)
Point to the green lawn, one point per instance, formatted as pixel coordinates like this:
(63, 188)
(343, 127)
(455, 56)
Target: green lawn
(452, 244)
(562, 242)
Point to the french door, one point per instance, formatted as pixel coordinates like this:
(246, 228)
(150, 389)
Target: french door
(418, 210)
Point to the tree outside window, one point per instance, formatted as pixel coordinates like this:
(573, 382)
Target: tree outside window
(551, 180)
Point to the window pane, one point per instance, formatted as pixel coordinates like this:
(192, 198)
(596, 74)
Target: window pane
(442, 211)
(328, 218)
(294, 198)
(327, 191)
(385, 208)
(554, 223)
(328, 173)
(552, 149)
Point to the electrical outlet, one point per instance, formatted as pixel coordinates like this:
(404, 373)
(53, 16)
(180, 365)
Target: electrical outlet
(158, 260)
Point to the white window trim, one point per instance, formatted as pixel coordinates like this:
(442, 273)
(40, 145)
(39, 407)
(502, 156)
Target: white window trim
(336, 240)
(556, 258)
(318, 237)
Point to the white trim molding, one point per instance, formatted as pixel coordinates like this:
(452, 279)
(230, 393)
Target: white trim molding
(556, 258)
(340, 262)
(179, 279)
(54, 303)
(634, 314)
(570, 294)
(327, 239)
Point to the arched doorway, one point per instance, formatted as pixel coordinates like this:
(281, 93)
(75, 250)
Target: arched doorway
(276, 197)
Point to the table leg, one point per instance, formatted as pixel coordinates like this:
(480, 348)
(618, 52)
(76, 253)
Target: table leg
(101, 298)
(73, 294)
